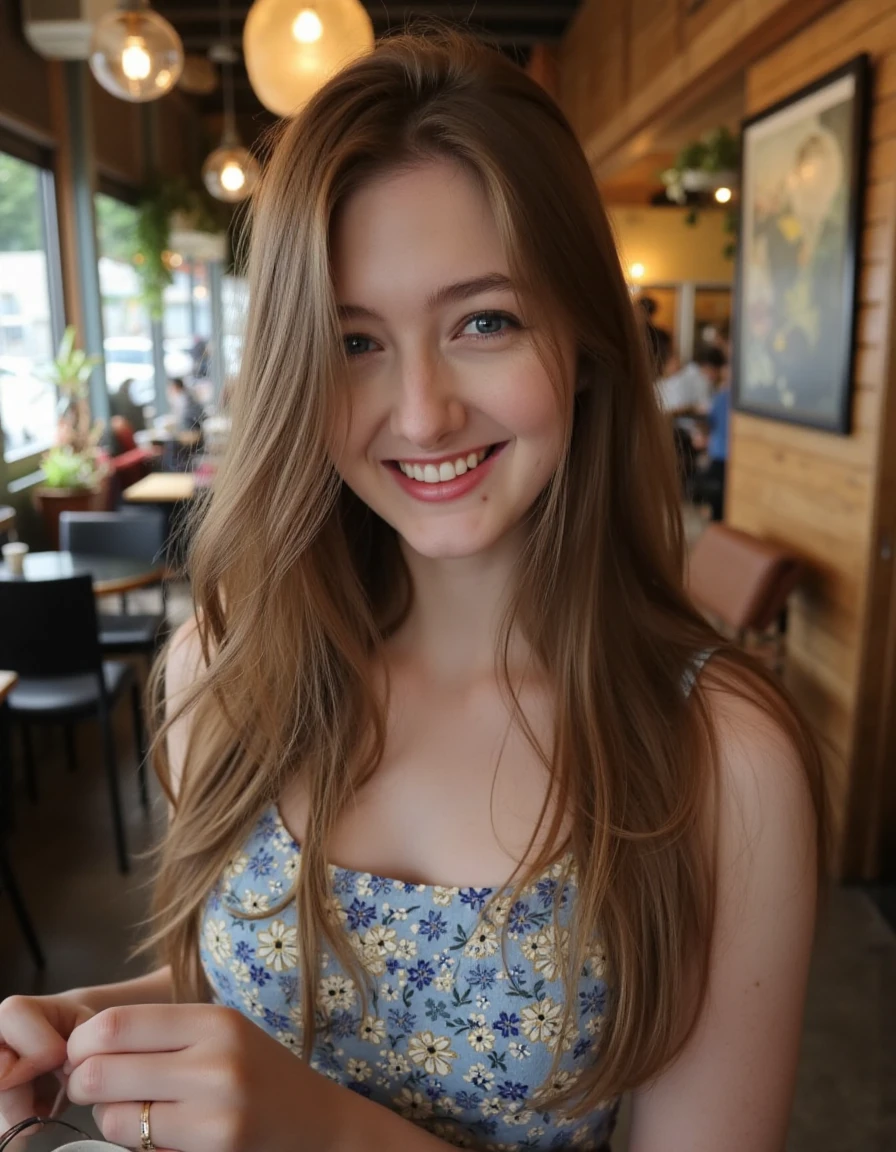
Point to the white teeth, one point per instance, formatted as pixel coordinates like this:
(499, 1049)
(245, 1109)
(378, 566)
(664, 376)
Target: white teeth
(440, 474)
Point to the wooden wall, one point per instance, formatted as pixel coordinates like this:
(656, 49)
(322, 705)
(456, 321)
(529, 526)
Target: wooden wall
(830, 497)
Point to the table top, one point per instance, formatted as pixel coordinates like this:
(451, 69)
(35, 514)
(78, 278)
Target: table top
(162, 488)
(8, 681)
(110, 574)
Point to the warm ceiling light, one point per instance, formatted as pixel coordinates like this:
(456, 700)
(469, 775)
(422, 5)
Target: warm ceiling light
(134, 53)
(200, 292)
(636, 271)
(231, 172)
(285, 65)
(723, 195)
(307, 27)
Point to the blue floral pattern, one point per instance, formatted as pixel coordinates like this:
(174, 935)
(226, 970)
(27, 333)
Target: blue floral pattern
(457, 1036)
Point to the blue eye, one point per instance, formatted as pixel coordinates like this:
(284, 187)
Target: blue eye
(357, 345)
(488, 324)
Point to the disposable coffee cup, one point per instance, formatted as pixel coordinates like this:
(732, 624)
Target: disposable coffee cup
(14, 556)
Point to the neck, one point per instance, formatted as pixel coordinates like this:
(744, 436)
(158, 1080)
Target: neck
(458, 605)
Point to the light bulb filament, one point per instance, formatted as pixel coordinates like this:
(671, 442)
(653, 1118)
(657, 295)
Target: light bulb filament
(307, 27)
(135, 60)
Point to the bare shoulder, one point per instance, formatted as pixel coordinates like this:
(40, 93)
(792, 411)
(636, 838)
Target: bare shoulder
(766, 781)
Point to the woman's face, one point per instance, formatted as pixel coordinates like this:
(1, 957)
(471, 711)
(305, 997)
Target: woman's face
(451, 426)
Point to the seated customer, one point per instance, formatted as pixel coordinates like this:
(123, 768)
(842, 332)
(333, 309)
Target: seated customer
(709, 487)
(688, 394)
(185, 406)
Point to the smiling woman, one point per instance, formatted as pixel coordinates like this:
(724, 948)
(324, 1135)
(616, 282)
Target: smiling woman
(471, 810)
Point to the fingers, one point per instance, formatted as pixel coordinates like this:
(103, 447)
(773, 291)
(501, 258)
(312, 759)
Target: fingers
(138, 1028)
(120, 1124)
(121, 1076)
(31, 1043)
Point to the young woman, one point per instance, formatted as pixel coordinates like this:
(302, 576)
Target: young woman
(475, 824)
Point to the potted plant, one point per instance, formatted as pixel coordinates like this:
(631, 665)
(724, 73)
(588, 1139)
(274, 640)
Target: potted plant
(73, 477)
(703, 165)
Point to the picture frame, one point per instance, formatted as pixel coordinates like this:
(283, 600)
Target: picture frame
(800, 227)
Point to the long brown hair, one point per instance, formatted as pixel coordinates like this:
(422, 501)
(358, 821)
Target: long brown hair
(296, 583)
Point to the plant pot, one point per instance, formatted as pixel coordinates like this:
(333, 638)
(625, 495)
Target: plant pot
(52, 502)
(699, 180)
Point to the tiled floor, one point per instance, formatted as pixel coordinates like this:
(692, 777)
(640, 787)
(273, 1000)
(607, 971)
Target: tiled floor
(89, 917)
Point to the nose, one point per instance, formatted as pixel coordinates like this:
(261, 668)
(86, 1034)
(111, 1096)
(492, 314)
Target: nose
(426, 409)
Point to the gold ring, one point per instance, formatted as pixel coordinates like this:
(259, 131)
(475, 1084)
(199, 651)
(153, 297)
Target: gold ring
(146, 1144)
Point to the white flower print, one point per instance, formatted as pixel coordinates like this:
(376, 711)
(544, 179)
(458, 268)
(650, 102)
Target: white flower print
(433, 1052)
(358, 1070)
(297, 1015)
(277, 947)
(594, 1025)
(406, 950)
(377, 945)
(413, 1105)
(561, 1081)
(397, 913)
(255, 901)
(480, 1036)
(448, 1106)
(373, 1030)
(499, 910)
(482, 1001)
(217, 940)
(291, 867)
(513, 1117)
(334, 910)
(363, 885)
(389, 992)
(252, 1001)
(335, 993)
(444, 983)
(479, 1075)
(519, 1051)
(547, 952)
(395, 1063)
(541, 1021)
(236, 865)
(290, 1041)
(239, 969)
(491, 1106)
(535, 1133)
(482, 943)
(443, 896)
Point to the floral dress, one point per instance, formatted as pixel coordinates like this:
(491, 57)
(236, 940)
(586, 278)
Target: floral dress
(457, 1036)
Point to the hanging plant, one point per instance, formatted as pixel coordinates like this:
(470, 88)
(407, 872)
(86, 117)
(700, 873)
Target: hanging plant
(164, 202)
(700, 168)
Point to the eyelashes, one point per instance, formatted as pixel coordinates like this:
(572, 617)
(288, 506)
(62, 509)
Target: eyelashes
(357, 345)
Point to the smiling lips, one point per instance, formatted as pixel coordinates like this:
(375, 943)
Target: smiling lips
(449, 479)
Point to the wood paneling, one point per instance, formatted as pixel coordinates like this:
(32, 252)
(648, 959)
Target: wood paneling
(24, 80)
(593, 78)
(820, 494)
(117, 136)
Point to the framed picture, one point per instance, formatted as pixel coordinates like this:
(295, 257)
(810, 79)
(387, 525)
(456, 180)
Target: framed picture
(798, 254)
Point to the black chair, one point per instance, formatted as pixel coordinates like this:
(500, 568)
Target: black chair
(8, 882)
(50, 637)
(138, 536)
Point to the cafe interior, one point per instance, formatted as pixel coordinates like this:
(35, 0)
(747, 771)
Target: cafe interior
(746, 153)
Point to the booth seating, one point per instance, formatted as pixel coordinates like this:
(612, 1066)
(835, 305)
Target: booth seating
(743, 583)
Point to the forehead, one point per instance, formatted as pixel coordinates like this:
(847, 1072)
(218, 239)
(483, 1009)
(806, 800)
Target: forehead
(410, 231)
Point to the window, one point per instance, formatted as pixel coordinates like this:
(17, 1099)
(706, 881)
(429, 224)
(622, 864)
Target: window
(127, 335)
(30, 305)
(188, 323)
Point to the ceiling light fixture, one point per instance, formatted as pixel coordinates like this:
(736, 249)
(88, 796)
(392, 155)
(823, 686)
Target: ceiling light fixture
(723, 195)
(290, 55)
(231, 172)
(135, 53)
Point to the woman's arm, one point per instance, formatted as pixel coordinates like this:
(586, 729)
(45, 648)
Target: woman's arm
(732, 1086)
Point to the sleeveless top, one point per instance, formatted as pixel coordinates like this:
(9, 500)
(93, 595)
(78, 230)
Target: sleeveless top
(459, 1033)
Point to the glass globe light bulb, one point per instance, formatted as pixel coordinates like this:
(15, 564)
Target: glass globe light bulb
(307, 27)
(231, 172)
(135, 53)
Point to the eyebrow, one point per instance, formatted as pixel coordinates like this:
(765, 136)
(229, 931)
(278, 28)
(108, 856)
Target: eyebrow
(448, 294)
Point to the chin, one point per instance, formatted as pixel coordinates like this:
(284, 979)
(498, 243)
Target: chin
(456, 544)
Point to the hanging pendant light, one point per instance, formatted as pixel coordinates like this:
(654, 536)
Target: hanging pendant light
(292, 48)
(231, 172)
(135, 53)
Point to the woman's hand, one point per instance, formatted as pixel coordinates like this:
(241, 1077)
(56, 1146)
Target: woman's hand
(33, 1035)
(216, 1081)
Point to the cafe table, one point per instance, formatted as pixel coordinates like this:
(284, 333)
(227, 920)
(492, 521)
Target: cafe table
(162, 488)
(111, 574)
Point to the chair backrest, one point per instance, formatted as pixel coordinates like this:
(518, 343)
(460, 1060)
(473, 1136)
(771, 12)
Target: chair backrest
(49, 627)
(123, 433)
(7, 523)
(136, 535)
(740, 579)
